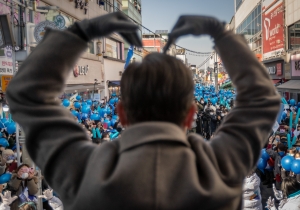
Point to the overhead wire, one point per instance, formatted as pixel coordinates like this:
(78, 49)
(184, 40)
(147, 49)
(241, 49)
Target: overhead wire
(188, 50)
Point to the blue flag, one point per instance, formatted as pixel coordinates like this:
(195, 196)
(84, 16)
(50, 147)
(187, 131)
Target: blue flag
(129, 56)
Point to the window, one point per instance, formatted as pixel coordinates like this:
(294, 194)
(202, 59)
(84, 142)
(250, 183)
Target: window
(114, 49)
(91, 47)
(116, 6)
(294, 36)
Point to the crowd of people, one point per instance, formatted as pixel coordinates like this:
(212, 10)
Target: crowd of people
(279, 165)
(212, 107)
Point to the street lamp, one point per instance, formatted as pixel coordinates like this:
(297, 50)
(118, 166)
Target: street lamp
(94, 88)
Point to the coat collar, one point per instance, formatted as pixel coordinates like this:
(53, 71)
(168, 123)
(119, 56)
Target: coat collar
(147, 132)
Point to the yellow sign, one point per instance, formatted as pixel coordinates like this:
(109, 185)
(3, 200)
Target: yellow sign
(220, 75)
(5, 80)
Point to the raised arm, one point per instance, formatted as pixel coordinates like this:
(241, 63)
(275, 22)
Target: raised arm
(53, 139)
(238, 141)
(245, 129)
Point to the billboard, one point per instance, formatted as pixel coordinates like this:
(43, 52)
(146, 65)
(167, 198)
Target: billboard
(273, 31)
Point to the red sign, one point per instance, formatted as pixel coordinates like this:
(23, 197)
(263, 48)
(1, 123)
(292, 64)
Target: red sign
(279, 69)
(272, 24)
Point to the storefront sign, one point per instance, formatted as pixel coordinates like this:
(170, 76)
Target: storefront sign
(273, 31)
(6, 62)
(60, 22)
(279, 69)
(5, 80)
(80, 70)
(275, 68)
(295, 65)
(39, 30)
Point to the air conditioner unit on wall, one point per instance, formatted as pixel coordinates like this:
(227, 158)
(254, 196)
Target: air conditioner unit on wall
(30, 35)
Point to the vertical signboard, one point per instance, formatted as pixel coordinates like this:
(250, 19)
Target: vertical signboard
(273, 29)
(5, 80)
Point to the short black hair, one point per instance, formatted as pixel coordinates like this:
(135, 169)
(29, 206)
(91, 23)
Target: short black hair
(160, 88)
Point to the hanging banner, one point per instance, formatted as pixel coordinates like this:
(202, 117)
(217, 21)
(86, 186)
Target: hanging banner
(273, 31)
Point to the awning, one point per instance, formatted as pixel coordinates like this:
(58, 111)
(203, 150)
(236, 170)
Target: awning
(275, 81)
(114, 83)
(81, 88)
(290, 86)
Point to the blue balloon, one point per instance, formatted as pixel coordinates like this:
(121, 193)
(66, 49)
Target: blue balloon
(75, 113)
(265, 155)
(292, 102)
(262, 164)
(115, 117)
(4, 142)
(66, 103)
(95, 117)
(4, 120)
(85, 109)
(84, 116)
(286, 162)
(6, 124)
(296, 166)
(89, 102)
(11, 128)
(83, 103)
(4, 178)
(78, 98)
(77, 105)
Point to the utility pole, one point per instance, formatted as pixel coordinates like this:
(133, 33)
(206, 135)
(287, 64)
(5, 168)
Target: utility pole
(216, 70)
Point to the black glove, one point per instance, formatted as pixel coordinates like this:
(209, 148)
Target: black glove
(104, 25)
(195, 25)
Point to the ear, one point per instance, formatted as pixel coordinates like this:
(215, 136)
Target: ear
(122, 114)
(190, 116)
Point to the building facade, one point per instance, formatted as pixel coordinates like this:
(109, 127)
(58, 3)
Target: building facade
(272, 29)
(104, 58)
(133, 8)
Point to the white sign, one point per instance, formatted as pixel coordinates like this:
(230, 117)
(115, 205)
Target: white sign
(96, 97)
(40, 29)
(6, 61)
(73, 98)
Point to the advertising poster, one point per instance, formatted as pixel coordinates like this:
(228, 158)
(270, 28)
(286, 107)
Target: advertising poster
(295, 65)
(273, 31)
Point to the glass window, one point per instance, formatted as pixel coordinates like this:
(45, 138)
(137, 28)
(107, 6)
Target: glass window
(259, 9)
(255, 12)
(112, 49)
(249, 19)
(91, 47)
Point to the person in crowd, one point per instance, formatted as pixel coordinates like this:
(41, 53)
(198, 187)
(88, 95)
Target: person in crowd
(154, 156)
(10, 159)
(251, 195)
(23, 184)
(7, 199)
(53, 201)
(290, 195)
(277, 156)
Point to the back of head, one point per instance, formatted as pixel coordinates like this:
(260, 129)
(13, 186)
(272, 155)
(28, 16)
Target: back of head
(158, 89)
(289, 186)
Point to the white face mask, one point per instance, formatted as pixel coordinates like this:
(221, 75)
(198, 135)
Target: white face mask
(211, 113)
(10, 161)
(16, 154)
(24, 175)
(222, 115)
(106, 139)
(297, 158)
(91, 135)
